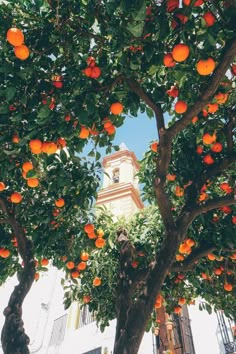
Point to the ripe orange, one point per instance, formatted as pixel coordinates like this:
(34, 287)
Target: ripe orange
(27, 166)
(32, 182)
(15, 139)
(36, 276)
(100, 233)
(88, 228)
(208, 160)
(75, 274)
(81, 266)
(100, 242)
(179, 257)
(177, 309)
(209, 18)
(218, 271)
(22, 52)
(168, 60)
(180, 52)
(49, 147)
(84, 132)
(97, 281)
(4, 253)
(221, 98)
(182, 301)
(205, 67)
(15, 37)
(212, 107)
(84, 256)
(179, 192)
(199, 150)
(96, 72)
(60, 202)
(181, 107)
(91, 235)
(208, 138)
(116, 108)
(16, 197)
(35, 144)
(70, 265)
(184, 248)
(190, 242)
(228, 287)
(204, 276)
(2, 186)
(194, 119)
(86, 299)
(226, 187)
(154, 146)
(44, 262)
(170, 177)
(211, 256)
(111, 130)
(217, 147)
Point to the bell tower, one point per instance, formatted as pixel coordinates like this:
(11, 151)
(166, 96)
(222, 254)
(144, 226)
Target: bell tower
(120, 191)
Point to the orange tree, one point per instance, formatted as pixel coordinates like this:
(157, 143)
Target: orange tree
(69, 73)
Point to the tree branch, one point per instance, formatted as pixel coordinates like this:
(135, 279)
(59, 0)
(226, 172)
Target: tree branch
(189, 213)
(4, 221)
(190, 262)
(136, 88)
(214, 82)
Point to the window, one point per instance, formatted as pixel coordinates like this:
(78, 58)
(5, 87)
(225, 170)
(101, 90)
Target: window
(58, 334)
(95, 351)
(86, 317)
(116, 176)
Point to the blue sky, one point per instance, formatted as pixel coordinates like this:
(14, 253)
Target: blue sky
(137, 133)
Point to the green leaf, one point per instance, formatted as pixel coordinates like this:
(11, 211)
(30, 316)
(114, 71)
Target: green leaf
(31, 174)
(44, 112)
(136, 29)
(10, 93)
(140, 13)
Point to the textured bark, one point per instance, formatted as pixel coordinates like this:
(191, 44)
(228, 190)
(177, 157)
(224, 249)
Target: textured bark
(13, 337)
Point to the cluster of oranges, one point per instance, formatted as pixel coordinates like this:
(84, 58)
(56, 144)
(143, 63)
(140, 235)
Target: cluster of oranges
(16, 38)
(100, 242)
(26, 167)
(92, 70)
(47, 147)
(185, 248)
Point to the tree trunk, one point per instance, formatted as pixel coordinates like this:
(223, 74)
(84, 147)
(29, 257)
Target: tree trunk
(13, 337)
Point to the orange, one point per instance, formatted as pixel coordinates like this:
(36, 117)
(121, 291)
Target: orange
(22, 52)
(86, 299)
(35, 144)
(100, 233)
(203, 196)
(194, 119)
(170, 177)
(221, 98)
(182, 301)
(179, 192)
(96, 72)
(60, 202)
(4, 253)
(49, 147)
(44, 262)
(154, 146)
(100, 242)
(15, 37)
(168, 60)
(70, 265)
(208, 160)
(27, 166)
(2, 186)
(36, 276)
(180, 52)
(184, 248)
(91, 235)
(75, 274)
(177, 309)
(84, 256)
(88, 72)
(199, 150)
(181, 107)
(116, 108)
(208, 138)
(218, 271)
(97, 281)
(209, 18)
(211, 257)
(84, 133)
(204, 276)
(212, 107)
(190, 242)
(88, 228)
(15, 139)
(32, 182)
(16, 197)
(81, 266)
(179, 257)
(111, 130)
(205, 67)
(228, 287)
(217, 147)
